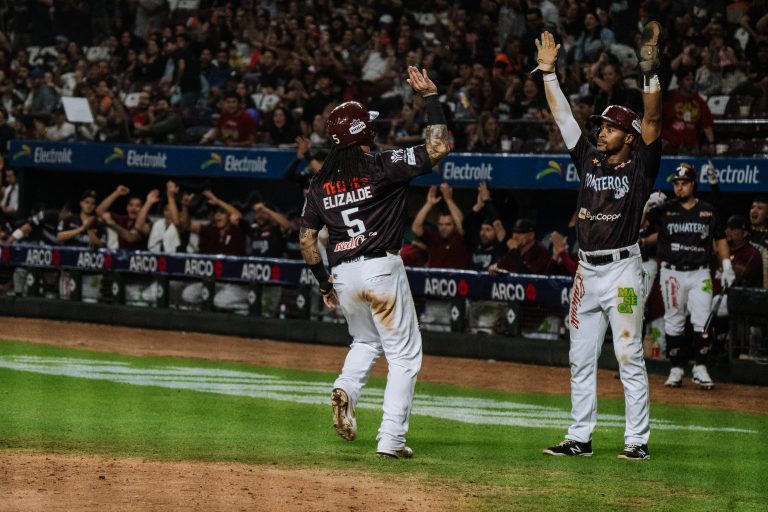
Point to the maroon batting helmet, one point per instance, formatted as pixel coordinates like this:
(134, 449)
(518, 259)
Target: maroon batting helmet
(349, 124)
(624, 118)
(684, 171)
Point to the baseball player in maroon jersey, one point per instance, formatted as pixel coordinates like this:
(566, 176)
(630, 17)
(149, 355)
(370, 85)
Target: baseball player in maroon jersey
(360, 197)
(609, 287)
(685, 229)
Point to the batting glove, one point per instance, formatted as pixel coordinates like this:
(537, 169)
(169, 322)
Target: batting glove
(655, 199)
(728, 276)
(709, 168)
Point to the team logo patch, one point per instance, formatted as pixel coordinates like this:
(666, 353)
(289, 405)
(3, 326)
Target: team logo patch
(627, 298)
(356, 127)
(398, 155)
(706, 286)
(410, 156)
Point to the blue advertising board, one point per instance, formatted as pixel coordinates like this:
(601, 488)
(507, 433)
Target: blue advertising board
(513, 171)
(549, 291)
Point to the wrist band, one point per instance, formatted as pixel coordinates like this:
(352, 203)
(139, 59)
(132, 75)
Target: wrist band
(549, 77)
(434, 110)
(651, 83)
(18, 234)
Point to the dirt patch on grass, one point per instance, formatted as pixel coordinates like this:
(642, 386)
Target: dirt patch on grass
(32, 482)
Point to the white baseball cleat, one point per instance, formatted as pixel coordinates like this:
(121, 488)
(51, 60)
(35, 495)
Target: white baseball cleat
(675, 379)
(402, 453)
(343, 415)
(701, 377)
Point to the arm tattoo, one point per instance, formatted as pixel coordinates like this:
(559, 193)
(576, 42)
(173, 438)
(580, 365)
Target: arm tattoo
(308, 243)
(437, 142)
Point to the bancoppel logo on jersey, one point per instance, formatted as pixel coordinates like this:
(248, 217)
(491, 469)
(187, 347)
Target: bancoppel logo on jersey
(352, 243)
(676, 247)
(585, 214)
(619, 184)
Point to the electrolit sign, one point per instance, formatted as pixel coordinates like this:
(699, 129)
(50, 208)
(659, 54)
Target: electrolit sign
(481, 171)
(234, 163)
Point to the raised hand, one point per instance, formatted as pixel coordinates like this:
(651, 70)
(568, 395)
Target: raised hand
(547, 55)
(153, 197)
(446, 190)
(186, 199)
(432, 197)
(171, 188)
(420, 82)
(122, 190)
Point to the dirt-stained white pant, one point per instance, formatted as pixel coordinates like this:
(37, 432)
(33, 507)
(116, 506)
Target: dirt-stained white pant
(376, 300)
(685, 291)
(613, 293)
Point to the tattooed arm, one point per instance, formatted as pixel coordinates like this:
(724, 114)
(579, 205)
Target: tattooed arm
(436, 141)
(311, 254)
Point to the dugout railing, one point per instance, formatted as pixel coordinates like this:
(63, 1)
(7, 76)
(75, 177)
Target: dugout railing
(509, 302)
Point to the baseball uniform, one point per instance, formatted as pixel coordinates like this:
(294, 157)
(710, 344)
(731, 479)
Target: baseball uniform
(365, 225)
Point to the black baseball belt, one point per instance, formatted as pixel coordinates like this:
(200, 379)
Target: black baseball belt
(381, 253)
(682, 268)
(602, 259)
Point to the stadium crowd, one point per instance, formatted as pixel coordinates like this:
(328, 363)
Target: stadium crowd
(268, 73)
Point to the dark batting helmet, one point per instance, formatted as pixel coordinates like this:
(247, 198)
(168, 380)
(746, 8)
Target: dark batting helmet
(683, 171)
(349, 124)
(624, 118)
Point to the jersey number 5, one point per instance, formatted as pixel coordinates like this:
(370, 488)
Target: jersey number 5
(356, 226)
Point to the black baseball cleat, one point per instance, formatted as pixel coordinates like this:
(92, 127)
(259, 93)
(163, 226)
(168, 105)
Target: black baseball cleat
(635, 452)
(570, 448)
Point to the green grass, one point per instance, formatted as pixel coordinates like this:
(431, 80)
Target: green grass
(502, 465)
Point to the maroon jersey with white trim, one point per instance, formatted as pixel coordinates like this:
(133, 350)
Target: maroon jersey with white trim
(366, 214)
(611, 197)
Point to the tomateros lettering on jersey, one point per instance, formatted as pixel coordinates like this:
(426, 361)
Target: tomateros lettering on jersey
(674, 228)
(346, 198)
(618, 184)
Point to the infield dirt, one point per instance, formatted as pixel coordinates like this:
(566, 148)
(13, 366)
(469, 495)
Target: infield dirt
(33, 481)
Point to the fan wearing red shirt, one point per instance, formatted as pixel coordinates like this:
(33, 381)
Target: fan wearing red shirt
(446, 247)
(685, 116)
(234, 127)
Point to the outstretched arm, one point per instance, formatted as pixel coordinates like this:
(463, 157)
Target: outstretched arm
(558, 103)
(436, 140)
(311, 254)
(650, 129)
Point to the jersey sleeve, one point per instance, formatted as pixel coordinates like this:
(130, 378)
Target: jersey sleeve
(650, 155)
(582, 153)
(405, 164)
(310, 216)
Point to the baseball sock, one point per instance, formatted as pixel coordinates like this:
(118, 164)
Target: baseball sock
(700, 347)
(675, 351)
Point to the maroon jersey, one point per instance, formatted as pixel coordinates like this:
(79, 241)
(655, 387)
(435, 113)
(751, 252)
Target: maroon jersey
(365, 215)
(611, 198)
(448, 252)
(230, 242)
(124, 222)
(534, 261)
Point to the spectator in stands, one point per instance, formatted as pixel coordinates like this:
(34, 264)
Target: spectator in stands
(282, 128)
(43, 97)
(9, 194)
(758, 220)
(83, 229)
(235, 127)
(594, 40)
(162, 125)
(217, 72)
(485, 134)
(747, 261)
(164, 235)
(525, 255)
(484, 219)
(186, 72)
(150, 65)
(265, 228)
(61, 129)
(611, 89)
(43, 226)
(222, 236)
(686, 117)
(405, 128)
(322, 96)
(7, 133)
(446, 247)
(131, 228)
(562, 261)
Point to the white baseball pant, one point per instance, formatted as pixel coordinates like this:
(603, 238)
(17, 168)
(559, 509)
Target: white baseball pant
(613, 293)
(685, 291)
(376, 301)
